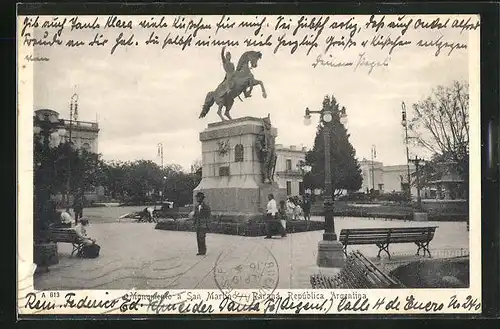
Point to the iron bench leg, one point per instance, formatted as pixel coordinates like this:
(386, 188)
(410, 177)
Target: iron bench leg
(384, 247)
(344, 249)
(76, 248)
(423, 246)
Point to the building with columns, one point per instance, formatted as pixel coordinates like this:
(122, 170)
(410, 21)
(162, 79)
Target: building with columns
(84, 135)
(288, 173)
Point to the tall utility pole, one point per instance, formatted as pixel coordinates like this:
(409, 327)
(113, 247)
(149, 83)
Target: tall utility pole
(374, 155)
(404, 123)
(160, 154)
(417, 161)
(73, 114)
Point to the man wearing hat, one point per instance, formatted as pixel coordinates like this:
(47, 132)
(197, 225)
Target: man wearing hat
(201, 218)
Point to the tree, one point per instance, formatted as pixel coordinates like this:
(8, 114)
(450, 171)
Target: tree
(346, 173)
(440, 124)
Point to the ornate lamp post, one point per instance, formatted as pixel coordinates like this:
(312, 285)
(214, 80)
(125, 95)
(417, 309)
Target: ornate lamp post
(330, 252)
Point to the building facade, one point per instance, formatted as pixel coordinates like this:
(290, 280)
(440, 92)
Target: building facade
(385, 179)
(84, 135)
(288, 172)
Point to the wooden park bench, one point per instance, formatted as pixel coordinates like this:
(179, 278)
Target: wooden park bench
(66, 235)
(383, 237)
(358, 273)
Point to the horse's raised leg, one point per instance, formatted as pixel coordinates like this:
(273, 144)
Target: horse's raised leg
(248, 91)
(258, 82)
(219, 112)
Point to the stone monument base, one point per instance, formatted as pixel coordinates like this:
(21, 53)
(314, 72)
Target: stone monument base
(249, 202)
(330, 254)
(232, 172)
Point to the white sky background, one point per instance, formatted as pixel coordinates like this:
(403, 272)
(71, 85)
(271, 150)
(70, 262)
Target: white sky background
(144, 95)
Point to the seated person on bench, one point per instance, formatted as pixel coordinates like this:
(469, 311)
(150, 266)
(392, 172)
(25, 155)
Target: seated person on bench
(65, 219)
(81, 230)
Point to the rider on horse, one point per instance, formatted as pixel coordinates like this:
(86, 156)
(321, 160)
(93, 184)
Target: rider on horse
(229, 68)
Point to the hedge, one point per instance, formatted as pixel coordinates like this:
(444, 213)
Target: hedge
(257, 228)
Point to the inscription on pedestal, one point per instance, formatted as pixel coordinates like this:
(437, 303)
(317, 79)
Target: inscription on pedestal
(223, 171)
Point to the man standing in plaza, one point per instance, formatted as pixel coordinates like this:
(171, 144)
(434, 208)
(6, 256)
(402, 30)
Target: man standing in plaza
(201, 217)
(78, 207)
(271, 212)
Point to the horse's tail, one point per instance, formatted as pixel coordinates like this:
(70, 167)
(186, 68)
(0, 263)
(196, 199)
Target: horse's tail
(209, 101)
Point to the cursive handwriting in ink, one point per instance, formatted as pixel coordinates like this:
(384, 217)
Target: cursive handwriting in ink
(330, 62)
(307, 40)
(30, 58)
(115, 22)
(152, 23)
(331, 41)
(257, 24)
(381, 42)
(401, 24)
(77, 25)
(177, 40)
(284, 304)
(360, 305)
(224, 24)
(44, 41)
(363, 61)
(439, 44)
(413, 304)
(374, 24)
(33, 303)
(227, 304)
(465, 25)
(29, 23)
(87, 302)
(120, 41)
(347, 25)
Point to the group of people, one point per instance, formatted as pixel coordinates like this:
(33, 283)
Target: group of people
(80, 224)
(291, 209)
(297, 208)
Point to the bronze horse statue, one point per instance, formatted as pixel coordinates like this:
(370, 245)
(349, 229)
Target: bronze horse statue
(242, 81)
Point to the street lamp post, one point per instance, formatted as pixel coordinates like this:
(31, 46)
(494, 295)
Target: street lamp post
(330, 253)
(417, 161)
(73, 113)
(404, 123)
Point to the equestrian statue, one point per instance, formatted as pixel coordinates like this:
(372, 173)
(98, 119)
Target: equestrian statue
(236, 81)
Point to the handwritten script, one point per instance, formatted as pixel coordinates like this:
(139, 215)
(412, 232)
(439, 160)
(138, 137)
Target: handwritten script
(203, 302)
(367, 43)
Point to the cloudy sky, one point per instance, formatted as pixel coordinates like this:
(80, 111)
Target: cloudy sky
(143, 95)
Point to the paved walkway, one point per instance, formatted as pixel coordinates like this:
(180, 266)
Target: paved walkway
(135, 255)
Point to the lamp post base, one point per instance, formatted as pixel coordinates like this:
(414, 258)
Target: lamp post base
(330, 254)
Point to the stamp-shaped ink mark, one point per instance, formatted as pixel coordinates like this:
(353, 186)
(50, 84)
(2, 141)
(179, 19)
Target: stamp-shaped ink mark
(259, 272)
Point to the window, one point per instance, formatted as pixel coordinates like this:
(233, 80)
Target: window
(301, 188)
(288, 188)
(288, 164)
(238, 153)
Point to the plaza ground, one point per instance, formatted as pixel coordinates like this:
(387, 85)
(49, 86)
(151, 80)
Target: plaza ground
(135, 255)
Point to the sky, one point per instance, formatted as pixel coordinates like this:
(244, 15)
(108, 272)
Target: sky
(144, 95)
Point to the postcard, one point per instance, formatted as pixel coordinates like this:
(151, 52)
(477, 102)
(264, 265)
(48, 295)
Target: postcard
(248, 164)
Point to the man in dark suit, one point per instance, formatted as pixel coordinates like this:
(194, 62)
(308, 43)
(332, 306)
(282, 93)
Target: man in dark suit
(201, 217)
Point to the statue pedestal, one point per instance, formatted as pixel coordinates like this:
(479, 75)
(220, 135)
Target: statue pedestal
(232, 171)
